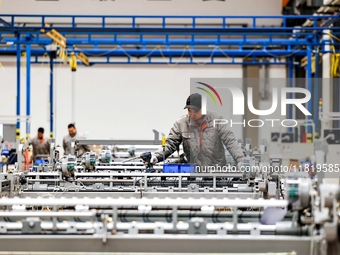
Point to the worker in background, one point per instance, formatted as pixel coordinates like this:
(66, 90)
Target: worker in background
(72, 134)
(202, 142)
(41, 146)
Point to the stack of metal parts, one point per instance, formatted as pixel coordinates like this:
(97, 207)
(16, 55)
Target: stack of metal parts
(96, 204)
(306, 221)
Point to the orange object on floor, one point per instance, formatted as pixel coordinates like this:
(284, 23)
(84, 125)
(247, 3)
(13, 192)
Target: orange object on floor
(284, 3)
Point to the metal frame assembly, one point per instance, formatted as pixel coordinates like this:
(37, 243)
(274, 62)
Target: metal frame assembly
(98, 203)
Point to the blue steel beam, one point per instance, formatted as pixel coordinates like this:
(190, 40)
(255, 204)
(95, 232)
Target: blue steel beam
(51, 97)
(169, 41)
(107, 22)
(178, 52)
(309, 80)
(18, 55)
(3, 22)
(225, 31)
(245, 36)
(174, 62)
(28, 89)
(282, 34)
(316, 95)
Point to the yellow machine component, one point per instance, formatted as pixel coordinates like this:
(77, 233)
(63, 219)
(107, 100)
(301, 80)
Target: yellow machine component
(17, 133)
(335, 60)
(163, 141)
(83, 58)
(304, 63)
(309, 138)
(73, 62)
(56, 37)
(63, 54)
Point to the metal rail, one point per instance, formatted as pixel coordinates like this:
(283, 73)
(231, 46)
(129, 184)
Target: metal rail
(144, 201)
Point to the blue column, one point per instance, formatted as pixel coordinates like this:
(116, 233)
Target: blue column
(51, 96)
(309, 87)
(17, 131)
(28, 89)
(290, 84)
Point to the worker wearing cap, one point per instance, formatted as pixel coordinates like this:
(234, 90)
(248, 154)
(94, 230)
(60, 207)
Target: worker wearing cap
(202, 142)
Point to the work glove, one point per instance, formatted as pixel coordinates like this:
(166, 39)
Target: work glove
(183, 158)
(153, 161)
(240, 166)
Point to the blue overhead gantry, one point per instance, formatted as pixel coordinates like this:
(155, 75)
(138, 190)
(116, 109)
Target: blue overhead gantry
(182, 40)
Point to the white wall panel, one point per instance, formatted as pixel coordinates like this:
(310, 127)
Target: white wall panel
(119, 102)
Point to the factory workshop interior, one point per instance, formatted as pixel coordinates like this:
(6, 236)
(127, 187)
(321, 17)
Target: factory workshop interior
(170, 127)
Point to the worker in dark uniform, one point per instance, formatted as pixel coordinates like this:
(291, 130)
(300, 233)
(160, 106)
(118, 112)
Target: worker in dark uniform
(203, 143)
(41, 146)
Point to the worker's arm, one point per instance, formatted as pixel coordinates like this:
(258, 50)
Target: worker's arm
(64, 145)
(229, 140)
(173, 141)
(86, 147)
(48, 146)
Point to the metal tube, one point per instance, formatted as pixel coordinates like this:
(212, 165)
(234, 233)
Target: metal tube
(174, 218)
(46, 214)
(28, 88)
(17, 131)
(145, 226)
(125, 167)
(96, 174)
(20, 147)
(81, 180)
(232, 191)
(224, 175)
(145, 201)
(117, 142)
